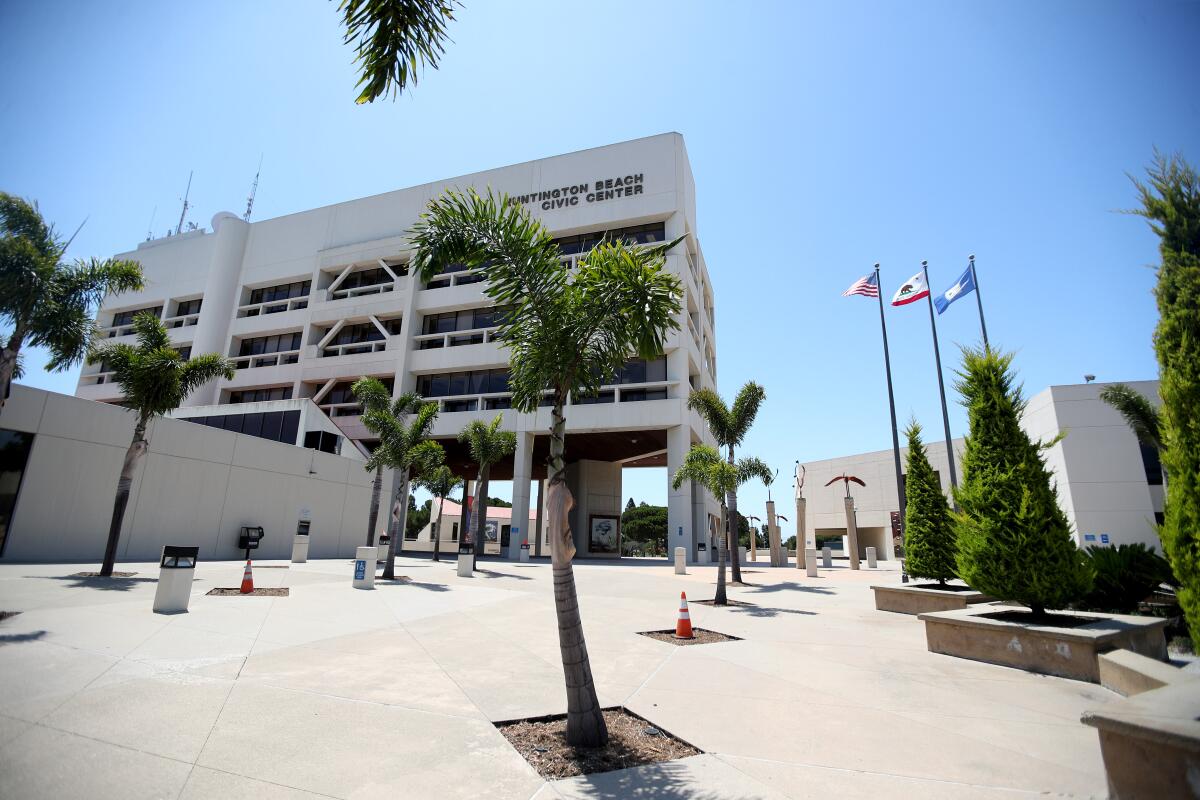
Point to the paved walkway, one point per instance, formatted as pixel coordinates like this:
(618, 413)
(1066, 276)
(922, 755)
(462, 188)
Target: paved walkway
(352, 694)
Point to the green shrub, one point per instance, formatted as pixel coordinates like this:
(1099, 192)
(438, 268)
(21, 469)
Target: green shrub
(929, 541)
(1124, 576)
(1014, 541)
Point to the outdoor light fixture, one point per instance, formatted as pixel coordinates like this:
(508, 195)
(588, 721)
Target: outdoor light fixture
(1089, 378)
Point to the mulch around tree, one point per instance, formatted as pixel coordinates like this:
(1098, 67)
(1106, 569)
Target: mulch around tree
(98, 575)
(632, 742)
(948, 587)
(256, 593)
(701, 636)
(727, 602)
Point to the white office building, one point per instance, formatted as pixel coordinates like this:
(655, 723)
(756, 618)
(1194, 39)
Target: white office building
(1109, 484)
(307, 303)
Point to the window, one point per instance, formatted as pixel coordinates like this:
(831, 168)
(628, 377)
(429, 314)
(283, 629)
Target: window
(284, 291)
(277, 426)
(1151, 464)
(14, 454)
(450, 384)
(594, 399)
(639, 370)
(638, 395)
(125, 318)
(341, 393)
(637, 234)
(324, 441)
(364, 278)
(261, 395)
(185, 352)
(454, 532)
(264, 345)
(360, 333)
(188, 307)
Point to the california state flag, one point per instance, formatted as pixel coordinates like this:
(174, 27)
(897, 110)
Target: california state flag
(911, 290)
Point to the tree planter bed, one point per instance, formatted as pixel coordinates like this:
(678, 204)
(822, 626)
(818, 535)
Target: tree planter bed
(919, 598)
(1050, 649)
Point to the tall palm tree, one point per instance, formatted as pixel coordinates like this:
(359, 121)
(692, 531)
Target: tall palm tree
(488, 444)
(439, 482)
(372, 395)
(402, 427)
(390, 37)
(729, 427)
(154, 380)
(704, 465)
(1140, 415)
(567, 331)
(47, 302)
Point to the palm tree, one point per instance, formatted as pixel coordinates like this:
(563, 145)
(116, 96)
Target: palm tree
(567, 331)
(1139, 413)
(390, 37)
(155, 380)
(374, 396)
(704, 465)
(439, 482)
(729, 427)
(48, 303)
(488, 444)
(403, 446)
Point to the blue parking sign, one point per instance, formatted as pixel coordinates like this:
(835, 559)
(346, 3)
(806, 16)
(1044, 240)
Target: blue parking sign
(360, 569)
(1104, 538)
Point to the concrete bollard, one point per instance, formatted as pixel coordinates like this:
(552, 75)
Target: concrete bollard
(742, 554)
(870, 558)
(826, 558)
(681, 561)
(364, 567)
(810, 563)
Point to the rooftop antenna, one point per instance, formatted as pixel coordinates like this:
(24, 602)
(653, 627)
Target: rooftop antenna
(183, 213)
(253, 191)
(150, 227)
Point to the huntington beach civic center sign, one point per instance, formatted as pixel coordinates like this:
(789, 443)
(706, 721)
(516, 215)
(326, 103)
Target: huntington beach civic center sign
(597, 191)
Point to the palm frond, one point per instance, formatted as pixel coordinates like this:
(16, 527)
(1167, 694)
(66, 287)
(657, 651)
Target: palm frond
(1139, 413)
(392, 39)
(486, 442)
(199, 370)
(371, 393)
(750, 467)
(745, 408)
(711, 407)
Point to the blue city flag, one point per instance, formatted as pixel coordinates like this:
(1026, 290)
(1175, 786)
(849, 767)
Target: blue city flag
(965, 284)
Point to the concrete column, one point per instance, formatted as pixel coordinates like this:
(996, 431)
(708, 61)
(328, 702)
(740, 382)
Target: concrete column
(538, 535)
(777, 559)
(852, 533)
(680, 502)
(522, 474)
(222, 290)
(801, 535)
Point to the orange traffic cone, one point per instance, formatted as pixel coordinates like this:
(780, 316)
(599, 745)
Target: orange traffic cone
(247, 579)
(683, 626)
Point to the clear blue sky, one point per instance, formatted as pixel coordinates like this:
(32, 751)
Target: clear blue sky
(823, 138)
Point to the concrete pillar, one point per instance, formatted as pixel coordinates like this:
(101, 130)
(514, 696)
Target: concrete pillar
(810, 563)
(522, 474)
(870, 558)
(222, 291)
(802, 547)
(826, 557)
(680, 502)
(851, 532)
(536, 541)
(777, 559)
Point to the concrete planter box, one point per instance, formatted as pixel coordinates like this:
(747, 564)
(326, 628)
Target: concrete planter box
(1068, 652)
(1151, 742)
(922, 597)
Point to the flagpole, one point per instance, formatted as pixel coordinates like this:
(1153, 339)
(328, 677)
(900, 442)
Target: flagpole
(979, 301)
(887, 365)
(937, 357)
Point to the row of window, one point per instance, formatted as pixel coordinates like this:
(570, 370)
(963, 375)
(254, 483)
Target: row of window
(363, 278)
(635, 234)
(126, 317)
(495, 381)
(365, 332)
(284, 291)
(466, 320)
(276, 426)
(189, 307)
(260, 395)
(340, 393)
(276, 343)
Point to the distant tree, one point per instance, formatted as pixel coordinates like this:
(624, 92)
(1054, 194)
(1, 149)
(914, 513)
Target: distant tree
(704, 465)
(496, 502)
(391, 37)
(487, 444)
(929, 537)
(46, 302)
(418, 516)
(630, 505)
(1014, 541)
(439, 482)
(154, 380)
(790, 544)
(646, 525)
(1171, 201)
(729, 426)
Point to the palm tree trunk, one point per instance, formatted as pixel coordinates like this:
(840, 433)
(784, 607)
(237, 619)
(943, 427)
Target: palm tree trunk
(389, 568)
(8, 362)
(720, 599)
(585, 720)
(735, 537)
(479, 522)
(137, 448)
(437, 531)
(373, 519)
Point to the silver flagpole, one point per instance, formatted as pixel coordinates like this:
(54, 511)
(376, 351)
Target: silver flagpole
(937, 357)
(887, 366)
(979, 301)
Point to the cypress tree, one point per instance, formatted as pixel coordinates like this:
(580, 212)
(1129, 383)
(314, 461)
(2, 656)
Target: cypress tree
(1171, 202)
(1014, 541)
(929, 546)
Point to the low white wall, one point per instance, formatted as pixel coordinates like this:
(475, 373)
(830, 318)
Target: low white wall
(196, 486)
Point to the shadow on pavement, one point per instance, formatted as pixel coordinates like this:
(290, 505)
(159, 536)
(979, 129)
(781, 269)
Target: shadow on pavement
(666, 780)
(18, 638)
(487, 573)
(106, 584)
(792, 586)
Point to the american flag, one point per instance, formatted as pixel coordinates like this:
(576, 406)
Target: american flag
(867, 286)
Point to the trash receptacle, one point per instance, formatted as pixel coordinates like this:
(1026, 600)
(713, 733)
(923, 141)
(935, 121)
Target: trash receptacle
(364, 568)
(702, 556)
(175, 572)
(300, 543)
(524, 553)
(466, 559)
(249, 539)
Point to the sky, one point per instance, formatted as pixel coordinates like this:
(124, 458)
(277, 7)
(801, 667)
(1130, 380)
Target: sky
(824, 137)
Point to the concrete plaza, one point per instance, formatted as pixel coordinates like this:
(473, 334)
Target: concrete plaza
(335, 692)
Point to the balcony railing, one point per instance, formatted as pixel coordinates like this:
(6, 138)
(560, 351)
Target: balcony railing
(340, 409)
(435, 341)
(622, 393)
(360, 291)
(266, 359)
(96, 378)
(272, 307)
(335, 350)
(461, 278)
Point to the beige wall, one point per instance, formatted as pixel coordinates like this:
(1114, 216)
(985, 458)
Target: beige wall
(195, 486)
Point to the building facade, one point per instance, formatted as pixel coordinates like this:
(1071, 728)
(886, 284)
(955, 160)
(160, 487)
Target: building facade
(1109, 485)
(307, 303)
